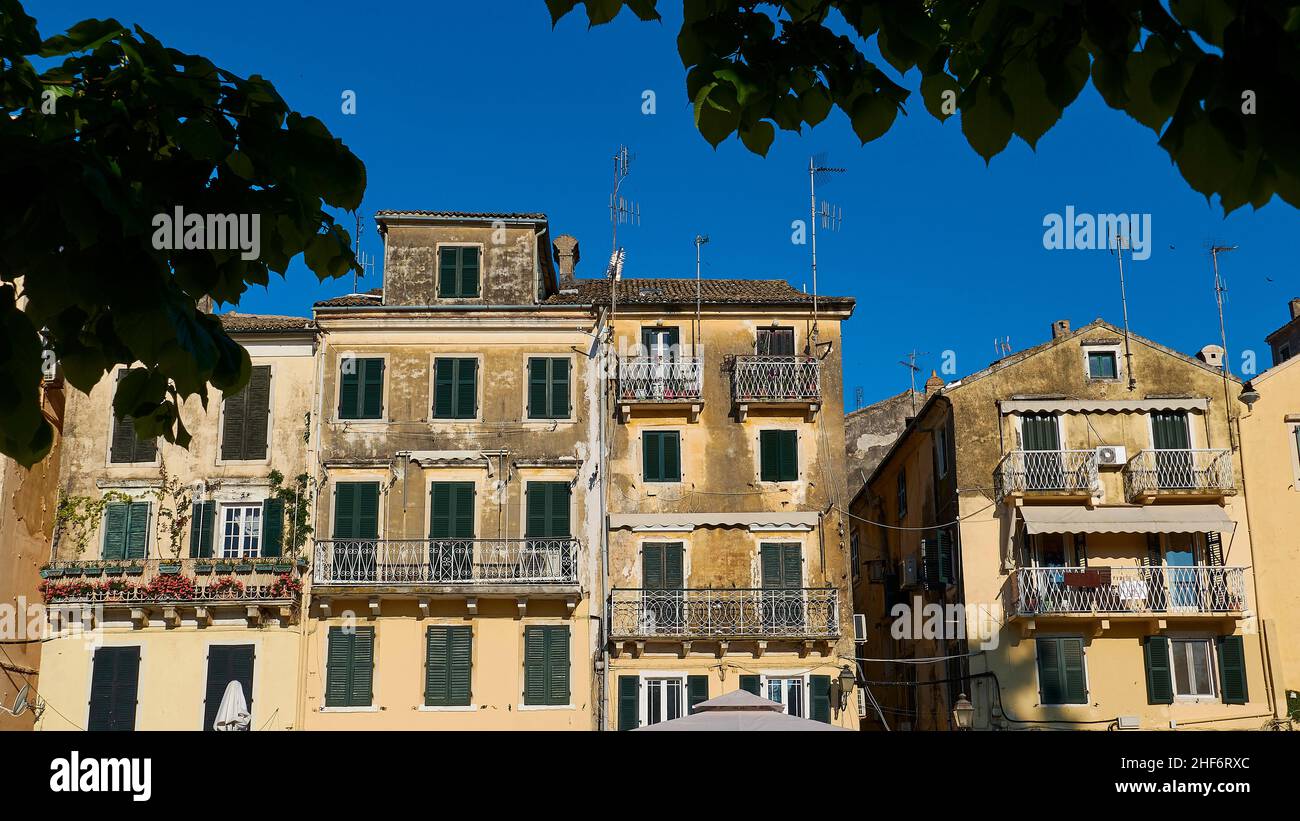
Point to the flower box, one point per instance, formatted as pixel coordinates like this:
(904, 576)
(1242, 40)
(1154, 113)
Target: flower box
(282, 567)
(244, 567)
(169, 568)
(204, 567)
(135, 570)
(114, 570)
(93, 570)
(51, 572)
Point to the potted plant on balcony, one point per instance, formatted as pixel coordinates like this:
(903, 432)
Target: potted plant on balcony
(135, 567)
(244, 566)
(175, 510)
(285, 587)
(114, 569)
(170, 588)
(116, 589)
(51, 572)
(77, 521)
(225, 566)
(204, 567)
(92, 569)
(226, 587)
(296, 497)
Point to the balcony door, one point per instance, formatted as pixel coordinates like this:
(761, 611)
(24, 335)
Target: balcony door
(547, 532)
(663, 577)
(774, 342)
(1183, 578)
(1171, 438)
(451, 531)
(661, 344)
(356, 531)
(1040, 438)
(782, 570)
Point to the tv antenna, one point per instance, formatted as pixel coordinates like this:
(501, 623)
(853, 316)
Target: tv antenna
(832, 217)
(1121, 243)
(1001, 347)
(621, 210)
(364, 261)
(913, 369)
(700, 239)
(857, 398)
(1220, 290)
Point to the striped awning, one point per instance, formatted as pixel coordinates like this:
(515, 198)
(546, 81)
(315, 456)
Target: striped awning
(1147, 519)
(1103, 405)
(649, 522)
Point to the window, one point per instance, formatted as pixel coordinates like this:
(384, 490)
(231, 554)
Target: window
(361, 388)
(547, 510)
(458, 268)
(350, 667)
(789, 693)
(778, 455)
(661, 456)
(660, 342)
(356, 527)
(447, 666)
(665, 699)
(114, 688)
(124, 447)
(941, 450)
(1193, 669)
(854, 558)
(781, 565)
(548, 388)
(902, 494)
(126, 530)
(226, 663)
(241, 531)
(1283, 353)
(1061, 676)
(451, 526)
(245, 417)
(455, 388)
(546, 665)
(774, 342)
(1102, 365)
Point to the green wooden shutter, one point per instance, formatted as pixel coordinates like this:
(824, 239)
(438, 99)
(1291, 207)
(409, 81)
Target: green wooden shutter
(674, 572)
(537, 385)
(437, 664)
(444, 388)
(466, 388)
(943, 546)
(460, 665)
(1160, 680)
(769, 455)
(547, 510)
(338, 668)
(272, 527)
(1214, 548)
(462, 519)
(469, 269)
(697, 690)
(440, 510)
(345, 506)
(203, 522)
(367, 511)
(751, 684)
(1232, 670)
(559, 389)
(363, 667)
(137, 530)
(226, 663)
(770, 560)
(1072, 671)
(114, 688)
(258, 412)
(789, 460)
(652, 564)
(122, 448)
(652, 456)
(557, 664)
(670, 453)
(448, 275)
(791, 566)
(629, 707)
(349, 388)
(234, 415)
(372, 388)
(115, 516)
(820, 701)
(538, 501)
(1051, 689)
(451, 510)
(535, 686)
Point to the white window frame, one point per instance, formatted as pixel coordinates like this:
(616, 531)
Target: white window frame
(666, 678)
(240, 553)
(804, 686)
(1112, 349)
(1211, 662)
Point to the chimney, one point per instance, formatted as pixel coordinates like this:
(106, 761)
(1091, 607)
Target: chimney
(1212, 355)
(1060, 328)
(934, 383)
(1295, 308)
(566, 254)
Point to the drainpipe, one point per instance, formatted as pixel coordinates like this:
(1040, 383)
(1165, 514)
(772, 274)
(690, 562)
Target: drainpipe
(602, 466)
(312, 471)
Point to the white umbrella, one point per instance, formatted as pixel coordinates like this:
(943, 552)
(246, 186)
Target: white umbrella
(743, 711)
(233, 712)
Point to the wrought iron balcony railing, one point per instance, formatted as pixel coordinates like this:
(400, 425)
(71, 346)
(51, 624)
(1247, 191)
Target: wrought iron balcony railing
(653, 379)
(1152, 472)
(437, 562)
(793, 613)
(171, 581)
(1046, 471)
(1038, 591)
(777, 379)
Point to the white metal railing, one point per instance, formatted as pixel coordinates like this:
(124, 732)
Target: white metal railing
(445, 561)
(656, 379)
(1159, 471)
(171, 580)
(1118, 590)
(1047, 471)
(724, 613)
(776, 379)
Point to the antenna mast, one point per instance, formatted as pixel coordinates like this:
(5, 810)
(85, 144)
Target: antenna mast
(1221, 288)
(697, 330)
(1121, 243)
(831, 219)
(620, 210)
(363, 261)
(912, 368)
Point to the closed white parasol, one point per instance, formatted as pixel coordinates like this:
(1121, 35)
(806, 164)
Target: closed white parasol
(233, 713)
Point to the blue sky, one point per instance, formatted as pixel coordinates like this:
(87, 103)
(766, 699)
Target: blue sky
(477, 106)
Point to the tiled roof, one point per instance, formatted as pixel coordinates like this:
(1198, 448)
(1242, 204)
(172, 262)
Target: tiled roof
(235, 322)
(484, 215)
(371, 297)
(659, 291)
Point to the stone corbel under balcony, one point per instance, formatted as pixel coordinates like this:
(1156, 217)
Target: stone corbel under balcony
(810, 409)
(691, 409)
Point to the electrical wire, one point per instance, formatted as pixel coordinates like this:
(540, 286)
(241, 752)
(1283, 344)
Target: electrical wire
(958, 520)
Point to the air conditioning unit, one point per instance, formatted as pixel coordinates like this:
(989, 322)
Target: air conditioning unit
(1112, 455)
(907, 573)
(1128, 723)
(859, 628)
(862, 703)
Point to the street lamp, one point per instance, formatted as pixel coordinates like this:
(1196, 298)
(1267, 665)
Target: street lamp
(845, 681)
(963, 713)
(1249, 396)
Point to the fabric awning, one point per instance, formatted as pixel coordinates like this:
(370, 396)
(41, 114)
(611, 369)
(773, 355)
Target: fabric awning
(1103, 405)
(766, 520)
(740, 711)
(1148, 519)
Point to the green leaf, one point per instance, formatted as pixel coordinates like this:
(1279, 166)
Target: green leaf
(758, 137)
(939, 91)
(716, 120)
(814, 104)
(873, 114)
(239, 163)
(987, 121)
(1034, 112)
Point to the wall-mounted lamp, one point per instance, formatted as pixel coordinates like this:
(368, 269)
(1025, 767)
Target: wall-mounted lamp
(1249, 396)
(963, 713)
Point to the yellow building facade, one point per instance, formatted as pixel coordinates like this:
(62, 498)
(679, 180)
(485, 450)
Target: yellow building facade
(177, 571)
(1067, 541)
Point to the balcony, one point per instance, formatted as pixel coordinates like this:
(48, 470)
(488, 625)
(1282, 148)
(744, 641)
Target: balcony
(777, 381)
(447, 567)
(1047, 473)
(797, 614)
(1194, 473)
(1128, 591)
(653, 382)
(174, 587)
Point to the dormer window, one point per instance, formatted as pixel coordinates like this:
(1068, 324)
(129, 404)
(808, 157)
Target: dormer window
(1102, 365)
(458, 271)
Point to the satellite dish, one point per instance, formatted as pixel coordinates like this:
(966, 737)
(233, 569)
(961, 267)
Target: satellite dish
(20, 701)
